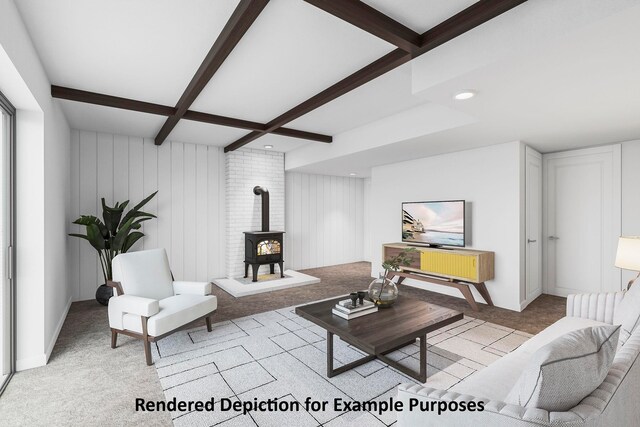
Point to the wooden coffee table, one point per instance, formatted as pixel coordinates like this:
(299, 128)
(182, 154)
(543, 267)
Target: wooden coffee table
(380, 333)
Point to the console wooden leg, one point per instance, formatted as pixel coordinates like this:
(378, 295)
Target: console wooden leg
(114, 338)
(466, 293)
(482, 289)
(208, 320)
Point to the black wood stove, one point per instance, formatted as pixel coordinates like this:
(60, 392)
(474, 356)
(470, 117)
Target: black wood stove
(263, 247)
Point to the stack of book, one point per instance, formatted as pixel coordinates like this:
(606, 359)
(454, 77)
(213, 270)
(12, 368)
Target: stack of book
(346, 310)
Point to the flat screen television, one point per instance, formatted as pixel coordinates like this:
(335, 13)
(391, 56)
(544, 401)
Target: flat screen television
(437, 223)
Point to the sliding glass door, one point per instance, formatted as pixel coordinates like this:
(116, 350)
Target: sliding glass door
(7, 294)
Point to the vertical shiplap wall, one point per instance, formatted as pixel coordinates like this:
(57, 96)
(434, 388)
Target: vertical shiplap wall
(189, 204)
(324, 220)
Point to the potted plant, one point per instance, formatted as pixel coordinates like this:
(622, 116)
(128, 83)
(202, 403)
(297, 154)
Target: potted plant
(383, 291)
(116, 233)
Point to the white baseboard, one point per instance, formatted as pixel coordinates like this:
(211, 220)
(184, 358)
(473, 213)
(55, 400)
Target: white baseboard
(528, 301)
(42, 359)
(31, 362)
(54, 338)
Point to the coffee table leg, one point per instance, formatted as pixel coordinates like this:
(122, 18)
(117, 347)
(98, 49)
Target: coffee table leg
(344, 368)
(329, 354)
(423, 359)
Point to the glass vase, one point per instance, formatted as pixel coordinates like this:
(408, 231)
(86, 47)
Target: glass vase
(383, 292)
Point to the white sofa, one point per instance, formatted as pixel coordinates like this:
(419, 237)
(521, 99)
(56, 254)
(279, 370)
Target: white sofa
(148, 304)
(615, 403)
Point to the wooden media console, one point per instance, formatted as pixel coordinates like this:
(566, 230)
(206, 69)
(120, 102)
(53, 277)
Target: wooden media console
(456, 268)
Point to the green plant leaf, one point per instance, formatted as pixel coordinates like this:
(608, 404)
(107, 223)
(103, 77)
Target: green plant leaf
(131, 239)
(82, 236)
(112, 217)
(86, 220)
(135, 211)
(95, 237)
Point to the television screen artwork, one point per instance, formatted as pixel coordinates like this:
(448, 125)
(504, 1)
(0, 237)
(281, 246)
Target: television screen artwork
(433, 223)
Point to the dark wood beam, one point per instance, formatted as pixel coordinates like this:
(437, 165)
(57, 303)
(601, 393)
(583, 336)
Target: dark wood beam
(243, 16)
(249, 125)
(293, 133)
(470, 18)
(163, 110)
(466, 20)
(110, 101)
(372, 21)
(360, 77)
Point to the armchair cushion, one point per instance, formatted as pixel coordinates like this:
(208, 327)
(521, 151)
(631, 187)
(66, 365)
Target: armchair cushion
(627, 313)
(192, 288)
(136, 306)
(144, 273)
(175, 312)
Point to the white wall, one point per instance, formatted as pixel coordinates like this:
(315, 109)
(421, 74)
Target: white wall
(368, 253)
(630, 196)
(43, 291)
(189, 179)
(488, 178)
(246, 168)
(324, 220)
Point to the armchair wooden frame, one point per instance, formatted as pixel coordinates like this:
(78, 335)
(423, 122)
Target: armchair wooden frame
(144, 336)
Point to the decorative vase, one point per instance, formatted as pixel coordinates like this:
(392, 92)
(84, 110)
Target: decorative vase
(103, 293)
(383, 292)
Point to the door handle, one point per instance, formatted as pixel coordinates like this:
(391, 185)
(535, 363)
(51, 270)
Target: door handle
(531, 241)
(553, 238)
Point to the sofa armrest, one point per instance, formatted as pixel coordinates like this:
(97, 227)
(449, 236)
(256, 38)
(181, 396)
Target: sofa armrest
(191, 288)
(599, 307)
(146, 307)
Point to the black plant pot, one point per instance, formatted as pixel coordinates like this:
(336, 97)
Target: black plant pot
(103, 293)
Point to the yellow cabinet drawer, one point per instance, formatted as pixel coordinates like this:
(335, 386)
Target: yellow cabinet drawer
(449, 264)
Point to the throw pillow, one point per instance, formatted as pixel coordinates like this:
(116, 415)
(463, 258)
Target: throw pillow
(627, 314)
(566, 370)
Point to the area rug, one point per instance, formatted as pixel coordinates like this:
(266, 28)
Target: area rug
(278, 354)
(241, 287)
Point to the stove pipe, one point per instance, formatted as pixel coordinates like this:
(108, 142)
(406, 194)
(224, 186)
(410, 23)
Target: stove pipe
(261, 191)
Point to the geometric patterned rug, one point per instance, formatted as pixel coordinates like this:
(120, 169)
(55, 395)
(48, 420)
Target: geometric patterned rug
(278, 354)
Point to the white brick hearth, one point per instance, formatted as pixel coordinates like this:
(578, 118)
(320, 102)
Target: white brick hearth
(244, 169)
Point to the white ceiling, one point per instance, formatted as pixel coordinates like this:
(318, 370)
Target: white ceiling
(555, 90)
(290, 53)
(420, 15)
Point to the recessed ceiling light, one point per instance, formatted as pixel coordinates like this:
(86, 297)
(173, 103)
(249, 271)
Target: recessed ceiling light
(352, 174)
(268, 146)
(465, 94)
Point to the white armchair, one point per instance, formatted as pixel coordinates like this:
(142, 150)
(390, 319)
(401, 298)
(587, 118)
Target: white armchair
(148, 304)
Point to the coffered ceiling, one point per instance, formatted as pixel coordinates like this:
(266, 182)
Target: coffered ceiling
(149, 50)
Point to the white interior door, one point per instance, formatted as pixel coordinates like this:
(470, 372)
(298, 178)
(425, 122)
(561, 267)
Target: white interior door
(581, 220)
(533, 249)
(7, 124)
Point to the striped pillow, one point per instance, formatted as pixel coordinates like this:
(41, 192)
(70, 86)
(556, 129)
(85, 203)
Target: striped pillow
(566, 370)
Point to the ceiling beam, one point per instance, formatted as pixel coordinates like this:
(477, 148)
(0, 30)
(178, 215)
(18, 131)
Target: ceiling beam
(372, 21)
(466, 20)
(243, 16)
(360, 77)
(163, 110)
(470, 18)
(110, 101)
